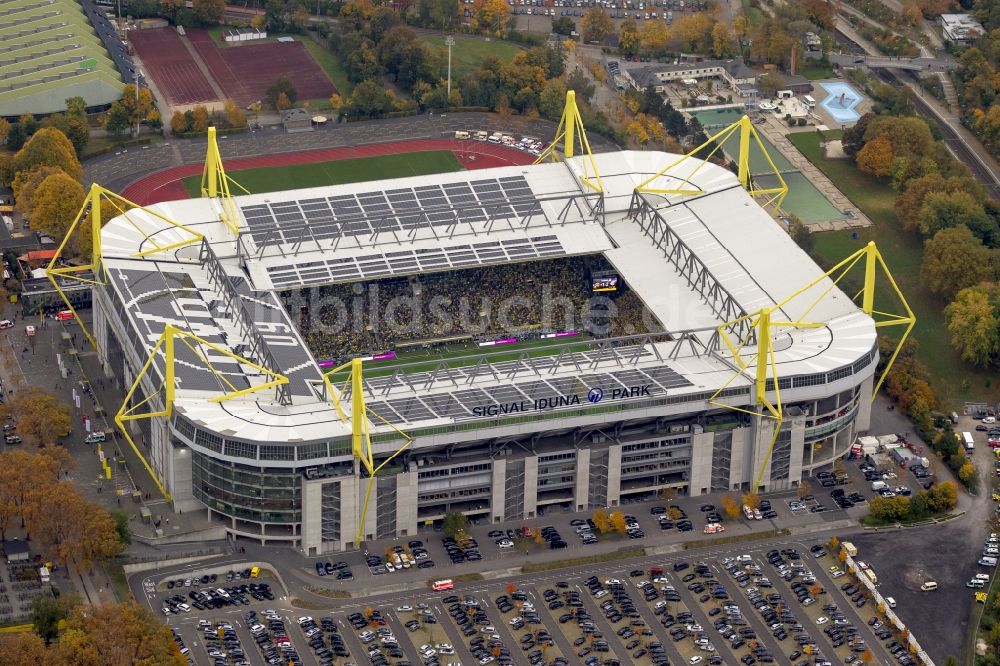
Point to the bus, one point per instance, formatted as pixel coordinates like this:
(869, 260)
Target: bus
(810, 101)
(442, 585)
(967, 439)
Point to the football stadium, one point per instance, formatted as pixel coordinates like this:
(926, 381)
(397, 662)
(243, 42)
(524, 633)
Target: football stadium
(331, 365)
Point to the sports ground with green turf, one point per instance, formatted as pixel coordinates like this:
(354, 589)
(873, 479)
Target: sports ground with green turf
(425, 360)
(337, 172)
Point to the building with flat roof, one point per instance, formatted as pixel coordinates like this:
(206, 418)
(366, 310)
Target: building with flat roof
(627, 390)
(961, 28)
(734, 73)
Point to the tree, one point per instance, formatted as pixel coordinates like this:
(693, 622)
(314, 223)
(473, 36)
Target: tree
(25, 184)
(601, 521)
(628, 37)
(579, 82)
(910, 136)
(741, 26)
(454, 523)
(967, 472)
(234, 114)
(362, 65)
(117, 635)
(178, 123)
(281, 85)
(24, 648)
(154, 120)
(722, 41)
(135, 106)
(876, 157)
(369, 100)
(48, 612)
(954, 259)
(4, 130)
(490, 16)
(116, 121)
(644, 129)
(800, 233)
(771, 84)
(209, 12)
(563, 26)
(618, 521)
(283, 103)
(751, 499)
(74, 127)
(654, 35)
(694, 31)
(596, 25)
(731, 507)
(57, 201)
(552, 99)
(973, 320)
(48, 147)
(941, 210)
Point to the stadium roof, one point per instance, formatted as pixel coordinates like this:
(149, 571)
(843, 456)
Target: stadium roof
(50, 51)
(711, 258)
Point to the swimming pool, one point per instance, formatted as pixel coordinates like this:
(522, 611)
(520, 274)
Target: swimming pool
(841, 101)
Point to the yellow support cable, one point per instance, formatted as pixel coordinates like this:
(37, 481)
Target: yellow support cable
(215, 183)
(569, 131)
(746, 132)
(166, 344)
(361, 443)
(90, 213)
(763, 358)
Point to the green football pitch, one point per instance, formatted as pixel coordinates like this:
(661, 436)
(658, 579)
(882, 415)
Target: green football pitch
(274, 179)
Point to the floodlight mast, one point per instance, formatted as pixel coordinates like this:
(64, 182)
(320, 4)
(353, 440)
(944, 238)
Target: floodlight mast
(765, 377)
(569, 134)
(361, 443)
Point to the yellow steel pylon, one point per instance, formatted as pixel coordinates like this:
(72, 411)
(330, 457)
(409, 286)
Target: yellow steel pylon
(215, 183)
(91, 213)
(361, 443)
(763, 326)
(569, 131)
(774, 196)
(167, 345)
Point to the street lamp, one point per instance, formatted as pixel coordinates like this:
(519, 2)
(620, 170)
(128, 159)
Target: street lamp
(449, 42)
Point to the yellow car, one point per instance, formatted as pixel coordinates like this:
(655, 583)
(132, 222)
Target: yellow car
(996, 497)
(981, 597)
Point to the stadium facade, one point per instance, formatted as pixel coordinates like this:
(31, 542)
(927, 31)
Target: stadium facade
(500, 433)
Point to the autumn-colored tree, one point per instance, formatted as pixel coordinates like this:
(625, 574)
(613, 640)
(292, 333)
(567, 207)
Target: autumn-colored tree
(178, 123)
(628, 37)
(741, 26)
(842, 556)
(834, 543)
(722, 41)
(234, 114)
(941, 210)
(987, 124)
(511, 588)
(209, 12)
(967, 472)
(974, 323)
(645, 129)
(57, 201)
(955, 259)
(281, 85)
(695, 31)
(601, 521)
(909, 136)
(41, 417)
(654, 35)
(617, 519)
(282, 103)
(25, 184)
(867, 656)
(48, 147)
(751, 499)
(490, 17)
(199, 119)
(117, 635)
(539, 539)
(23, 648)
(876, 157)
(4, 129)
(596, 25)
(136, 107)
(730, 506)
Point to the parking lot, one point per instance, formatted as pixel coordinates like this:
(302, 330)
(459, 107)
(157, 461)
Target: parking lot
(789, 604)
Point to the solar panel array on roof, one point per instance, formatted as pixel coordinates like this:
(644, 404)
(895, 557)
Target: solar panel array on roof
(328, 218)
(406, 262)
(460, 403)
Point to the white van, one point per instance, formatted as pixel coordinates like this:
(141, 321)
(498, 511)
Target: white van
(928, 586)
(976, 584)
(95, 437)
(462, 134)
(986, 561)
(879, 486)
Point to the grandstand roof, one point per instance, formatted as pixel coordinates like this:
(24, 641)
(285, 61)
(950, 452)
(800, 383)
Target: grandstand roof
(50, 51)
(222, 290)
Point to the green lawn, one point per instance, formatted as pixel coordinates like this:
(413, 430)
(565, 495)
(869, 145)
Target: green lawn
(468, 53)
(274, 179)
(954, 380)
(815, 71)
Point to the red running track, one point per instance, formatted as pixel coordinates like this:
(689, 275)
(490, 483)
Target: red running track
(171, 66)
(166, 185)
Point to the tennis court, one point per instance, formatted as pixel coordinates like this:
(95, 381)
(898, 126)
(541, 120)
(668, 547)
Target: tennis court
(804, 200)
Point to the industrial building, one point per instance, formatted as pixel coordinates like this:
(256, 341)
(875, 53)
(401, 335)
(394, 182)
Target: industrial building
(237, 419)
